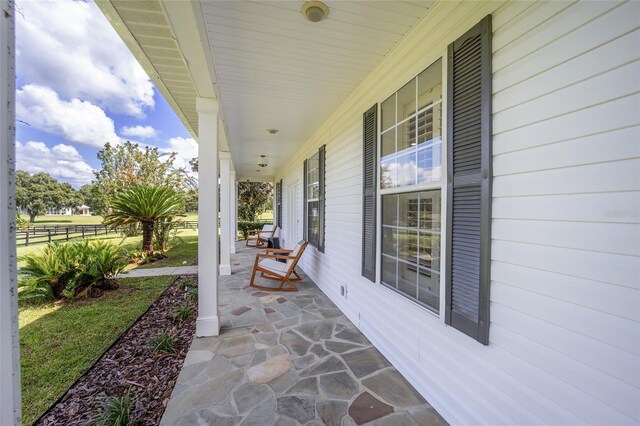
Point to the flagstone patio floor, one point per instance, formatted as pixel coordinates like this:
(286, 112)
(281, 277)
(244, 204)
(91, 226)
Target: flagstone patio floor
(288, 359)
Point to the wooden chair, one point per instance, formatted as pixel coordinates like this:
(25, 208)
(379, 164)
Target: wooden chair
(260, 237)
(269, 267)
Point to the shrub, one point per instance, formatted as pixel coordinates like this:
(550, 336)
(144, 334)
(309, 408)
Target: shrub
(244, 227)
(114, 411)
(163, 342)
(43, 276)
(193, 295)
(69, 269)
(22, 224)
(183, 312)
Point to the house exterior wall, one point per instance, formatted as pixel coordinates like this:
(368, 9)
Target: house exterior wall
(564, 340)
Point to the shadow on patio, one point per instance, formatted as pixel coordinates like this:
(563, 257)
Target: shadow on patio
(288, 359)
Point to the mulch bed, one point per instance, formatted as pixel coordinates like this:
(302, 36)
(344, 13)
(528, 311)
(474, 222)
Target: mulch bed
(129, 364)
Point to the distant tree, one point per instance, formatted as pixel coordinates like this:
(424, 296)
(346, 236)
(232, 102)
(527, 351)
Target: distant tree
(194, 164)
(191, 200)
(128, 164)
(92, 196)
(35, 194)
(253, 198)
(146, 205)
(71, 198)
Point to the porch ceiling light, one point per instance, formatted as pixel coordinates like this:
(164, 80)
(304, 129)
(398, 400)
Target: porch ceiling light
(273, 131)
(263, 161)
(314, 11)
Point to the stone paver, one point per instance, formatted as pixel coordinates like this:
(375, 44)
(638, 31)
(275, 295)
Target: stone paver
(288, 359)
(157, 272)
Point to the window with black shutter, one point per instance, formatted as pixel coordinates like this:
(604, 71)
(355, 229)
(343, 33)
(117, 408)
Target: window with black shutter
(369, 186)
(411, 182)
(314, 199)
(469, 182)
(279, 204)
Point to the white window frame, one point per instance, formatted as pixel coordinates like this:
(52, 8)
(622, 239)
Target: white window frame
(442, 186)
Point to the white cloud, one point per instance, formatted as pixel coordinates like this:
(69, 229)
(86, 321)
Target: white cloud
(139, 131)
(77, 121)
(185, 148)
(62, 162)
(70, 47)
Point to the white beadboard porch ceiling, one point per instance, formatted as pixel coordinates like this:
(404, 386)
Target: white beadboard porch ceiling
(275, 69)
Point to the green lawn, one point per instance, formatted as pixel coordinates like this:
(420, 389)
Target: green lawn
(181, 251)
(59, 341)
(268, 215)
(60, 219)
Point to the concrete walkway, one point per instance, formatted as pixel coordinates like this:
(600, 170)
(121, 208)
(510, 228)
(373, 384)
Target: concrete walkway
(157, 272)
(288, 359)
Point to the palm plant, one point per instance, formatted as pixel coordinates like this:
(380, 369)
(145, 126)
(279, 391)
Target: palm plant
(145, 205)
(69, 268)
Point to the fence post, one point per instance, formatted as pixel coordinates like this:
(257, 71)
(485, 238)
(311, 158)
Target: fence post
(67, 229)
(82, 231)
(49, 234)
(95, 230)
(26, 241)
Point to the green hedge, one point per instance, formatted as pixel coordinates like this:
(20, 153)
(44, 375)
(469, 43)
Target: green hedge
(244, 227)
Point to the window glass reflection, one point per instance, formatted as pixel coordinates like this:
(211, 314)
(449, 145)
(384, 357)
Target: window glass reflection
(390, 210)
(407, 279)
(407, 100)
(388, 173)
(388, 112)
(389, 271)
(388, 144)
(410, 146)
(429, 288)
(411, 236)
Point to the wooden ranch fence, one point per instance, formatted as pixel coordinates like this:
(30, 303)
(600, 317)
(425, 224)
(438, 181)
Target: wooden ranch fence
(48, 233)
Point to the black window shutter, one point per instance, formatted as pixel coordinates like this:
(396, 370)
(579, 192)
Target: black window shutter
(469, 182)
(369, 186)
(304, 197)
(321, 197)
(279, 204)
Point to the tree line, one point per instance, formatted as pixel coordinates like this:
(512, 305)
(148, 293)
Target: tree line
(122, 166)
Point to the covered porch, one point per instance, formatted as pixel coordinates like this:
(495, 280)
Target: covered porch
(288, 359)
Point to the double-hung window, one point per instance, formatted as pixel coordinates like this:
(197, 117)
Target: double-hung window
(411, 181)
(314, 199)
(411, 188)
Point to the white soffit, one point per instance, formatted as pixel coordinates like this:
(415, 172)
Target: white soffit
(275, 69)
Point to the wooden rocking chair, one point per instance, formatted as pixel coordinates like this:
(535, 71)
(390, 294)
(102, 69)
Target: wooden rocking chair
(269, 267)
(260, 237)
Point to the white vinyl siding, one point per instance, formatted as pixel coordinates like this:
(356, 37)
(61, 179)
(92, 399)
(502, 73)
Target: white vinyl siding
(564, 343)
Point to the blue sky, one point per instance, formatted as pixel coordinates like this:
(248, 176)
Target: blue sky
(77, 87)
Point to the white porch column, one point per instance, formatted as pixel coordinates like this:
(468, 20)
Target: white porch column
(10, 413)
(208, 322)
(235, 216)
(234, 212)
(225, 213)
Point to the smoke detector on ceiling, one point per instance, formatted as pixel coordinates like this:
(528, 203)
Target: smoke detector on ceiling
(314, 11)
